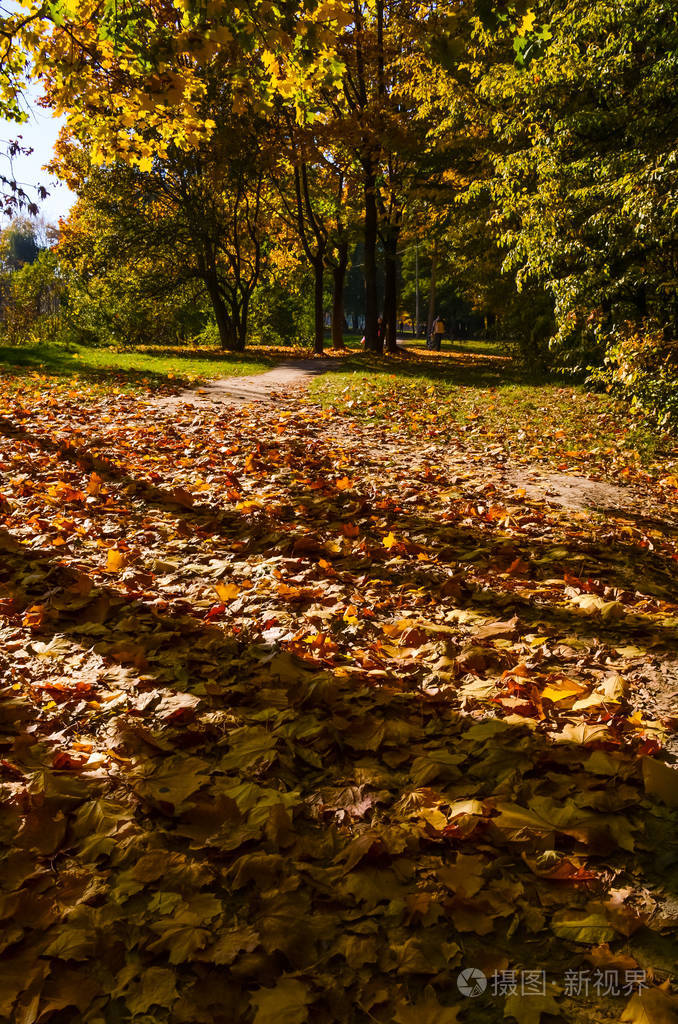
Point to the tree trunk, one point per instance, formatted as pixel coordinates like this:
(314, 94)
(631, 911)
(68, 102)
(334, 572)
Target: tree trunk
(339, 274)
(373, 343)
(391, 288)
(318, 296)
(241, 333)
(432, 295)
(227, 334)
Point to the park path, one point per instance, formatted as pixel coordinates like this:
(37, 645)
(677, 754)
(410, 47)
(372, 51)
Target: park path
(561, 489)
(258, 387)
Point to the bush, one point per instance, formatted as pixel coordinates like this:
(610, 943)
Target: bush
(281, 312)
(32, 301)
(641, 366)
(120, 309)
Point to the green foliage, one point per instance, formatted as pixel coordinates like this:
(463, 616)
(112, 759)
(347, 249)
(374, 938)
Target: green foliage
(18, 244)
(128, 268)
(116, 309)
(586, 178)
(282, 309)
(642, 367)
(32, 300)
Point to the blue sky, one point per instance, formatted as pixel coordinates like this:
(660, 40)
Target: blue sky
(39, 133)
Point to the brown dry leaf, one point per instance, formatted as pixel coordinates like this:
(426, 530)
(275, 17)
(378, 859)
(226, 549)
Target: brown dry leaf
(660, 781)
(426, 1011)
(603, 956)
(173, 781)
(465, 876)
(529, 1009)
(651, 1006)
(94, 484)
(157, 987)
(286, 1003)
(591, 925)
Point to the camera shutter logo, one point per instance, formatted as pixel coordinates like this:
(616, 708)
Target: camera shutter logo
(471, 982)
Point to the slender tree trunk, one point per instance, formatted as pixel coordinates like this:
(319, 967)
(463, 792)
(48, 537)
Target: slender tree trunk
(225, 326)
(391, 288)
(372, 341)
(242, 324)
(318, 295)
(432, 294)
(339, 275)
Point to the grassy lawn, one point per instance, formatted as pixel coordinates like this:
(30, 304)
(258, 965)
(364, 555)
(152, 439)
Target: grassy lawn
(473, 393)
(137, 369)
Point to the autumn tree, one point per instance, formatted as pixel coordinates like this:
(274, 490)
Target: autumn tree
(343, 230)
(143, 83)
(209, 193)
(313, 178)
(299, 194)
(128, 263)
(381, 121)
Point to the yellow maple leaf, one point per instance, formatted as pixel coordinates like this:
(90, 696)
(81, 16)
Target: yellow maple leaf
(115, 560)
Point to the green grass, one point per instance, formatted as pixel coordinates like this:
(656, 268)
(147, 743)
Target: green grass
(352, 341)
(471, 393)
(136, 369)
(476, 345)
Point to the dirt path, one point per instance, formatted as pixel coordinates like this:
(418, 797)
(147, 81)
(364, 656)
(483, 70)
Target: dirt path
(282, 381)
(260, 387)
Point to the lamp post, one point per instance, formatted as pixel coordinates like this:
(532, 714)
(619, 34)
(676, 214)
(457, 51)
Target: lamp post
(416, 288)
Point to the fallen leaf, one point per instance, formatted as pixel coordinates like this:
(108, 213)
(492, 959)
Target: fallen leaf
(286, 1003)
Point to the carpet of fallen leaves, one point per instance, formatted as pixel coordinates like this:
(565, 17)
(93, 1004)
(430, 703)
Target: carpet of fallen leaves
(301, 718)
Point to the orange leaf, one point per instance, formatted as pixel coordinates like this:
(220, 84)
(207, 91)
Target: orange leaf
(35, 616)
(94, 485)
(116, 560)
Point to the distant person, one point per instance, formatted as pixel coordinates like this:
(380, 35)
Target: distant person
(438, 331)
(381, 331)
(436, 335)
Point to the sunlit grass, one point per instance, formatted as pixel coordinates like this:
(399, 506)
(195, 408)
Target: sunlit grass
(136, 369)
(481, 396)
